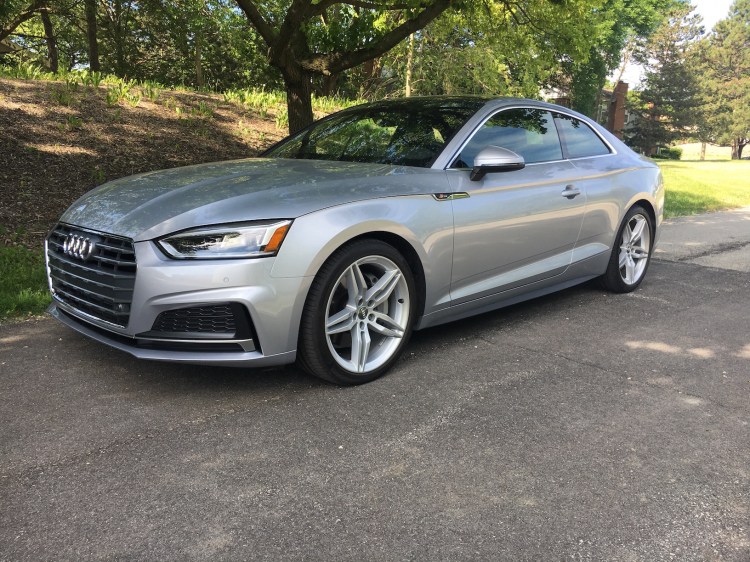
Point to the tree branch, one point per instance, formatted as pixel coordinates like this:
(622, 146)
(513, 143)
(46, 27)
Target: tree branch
(26, 36)
(298, 12)
(323, 5)
(256, 18)
(337, 62)
(27, 14)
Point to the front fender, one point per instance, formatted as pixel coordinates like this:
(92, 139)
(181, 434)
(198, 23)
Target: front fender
(420, 220)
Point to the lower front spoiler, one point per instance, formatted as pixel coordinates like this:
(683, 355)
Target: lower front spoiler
(130, 345)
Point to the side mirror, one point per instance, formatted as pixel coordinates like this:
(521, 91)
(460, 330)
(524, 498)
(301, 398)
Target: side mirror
(495, 159)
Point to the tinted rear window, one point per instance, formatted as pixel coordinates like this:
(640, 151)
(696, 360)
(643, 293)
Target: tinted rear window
(579, 139)
(526, 131)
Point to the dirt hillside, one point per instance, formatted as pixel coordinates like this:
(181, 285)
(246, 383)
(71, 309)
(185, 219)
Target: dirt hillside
(58, 140)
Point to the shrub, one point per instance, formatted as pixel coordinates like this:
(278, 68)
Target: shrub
(667, 153)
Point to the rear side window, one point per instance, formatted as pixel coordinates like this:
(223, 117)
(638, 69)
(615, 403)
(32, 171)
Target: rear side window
(579, 139)
(528, 132)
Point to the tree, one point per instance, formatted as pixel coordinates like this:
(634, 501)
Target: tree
(13, 14)
(91, 35)
(49, 35)
(622, 27)
(347, 33)
(725, 58)
(485, 48)
(667, 104)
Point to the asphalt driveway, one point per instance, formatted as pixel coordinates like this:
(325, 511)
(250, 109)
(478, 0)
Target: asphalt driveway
(581, 426)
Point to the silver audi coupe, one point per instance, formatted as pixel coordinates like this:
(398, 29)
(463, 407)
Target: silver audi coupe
(340, 240)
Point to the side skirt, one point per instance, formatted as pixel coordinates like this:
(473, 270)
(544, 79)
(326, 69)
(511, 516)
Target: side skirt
(577, 273)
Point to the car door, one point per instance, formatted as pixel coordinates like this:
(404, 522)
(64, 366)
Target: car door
(517, 227)
(601, 173)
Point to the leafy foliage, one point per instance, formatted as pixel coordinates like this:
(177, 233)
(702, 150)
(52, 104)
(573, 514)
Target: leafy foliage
(724, 58)
(488, 48)
(667, 105)
(354, 48)
(619, 27)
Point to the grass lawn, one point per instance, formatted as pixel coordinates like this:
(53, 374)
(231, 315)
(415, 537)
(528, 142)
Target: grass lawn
(692, 151)
(23, 290)
(699, 187)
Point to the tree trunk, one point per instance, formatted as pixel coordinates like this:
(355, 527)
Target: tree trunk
(736, 149)
(198, 61)
(299, 102)
(119, 40)
(739, 149)
(91, 33)
(330, 82)
(409, 66)
(703, 151)
(49, 35)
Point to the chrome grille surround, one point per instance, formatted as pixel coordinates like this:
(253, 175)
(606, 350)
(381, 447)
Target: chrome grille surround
(96, 284)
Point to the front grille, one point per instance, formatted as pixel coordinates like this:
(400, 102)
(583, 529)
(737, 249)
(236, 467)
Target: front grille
(102, 284)
(217, 319)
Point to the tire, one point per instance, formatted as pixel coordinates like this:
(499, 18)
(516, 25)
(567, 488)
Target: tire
(631, 253)
(358, 315)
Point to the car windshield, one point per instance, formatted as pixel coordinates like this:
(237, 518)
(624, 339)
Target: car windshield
(405, 133)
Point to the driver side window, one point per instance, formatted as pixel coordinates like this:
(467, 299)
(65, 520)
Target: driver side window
(528, 132)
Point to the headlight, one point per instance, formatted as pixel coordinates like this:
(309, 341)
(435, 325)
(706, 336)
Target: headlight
(226, 241)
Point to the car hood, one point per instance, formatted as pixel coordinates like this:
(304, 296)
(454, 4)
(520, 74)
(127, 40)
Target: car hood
(153, 204)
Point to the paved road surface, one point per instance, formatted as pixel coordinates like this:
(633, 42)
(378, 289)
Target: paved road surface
(581, 426)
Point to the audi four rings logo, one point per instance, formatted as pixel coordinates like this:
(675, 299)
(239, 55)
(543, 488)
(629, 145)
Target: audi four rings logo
(78, 246)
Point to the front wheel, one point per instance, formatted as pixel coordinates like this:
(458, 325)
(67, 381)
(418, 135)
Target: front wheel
(358, 315)
(631, 253)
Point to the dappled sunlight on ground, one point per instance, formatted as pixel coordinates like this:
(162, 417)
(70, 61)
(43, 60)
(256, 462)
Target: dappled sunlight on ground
(654, 346)
(745, 352)
(699, 352)
(62, 149)
(12, 339)
(58, 142)
(28, 108)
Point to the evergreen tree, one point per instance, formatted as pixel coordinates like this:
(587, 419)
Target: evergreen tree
(667, 105)
(725, 58)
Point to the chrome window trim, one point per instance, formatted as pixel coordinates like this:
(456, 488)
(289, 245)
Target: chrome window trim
(490, 115)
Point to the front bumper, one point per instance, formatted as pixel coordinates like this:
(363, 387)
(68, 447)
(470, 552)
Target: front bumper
(274, 305)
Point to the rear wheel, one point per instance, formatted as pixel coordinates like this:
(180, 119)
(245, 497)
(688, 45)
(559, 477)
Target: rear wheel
(358, 315)
(631, 254)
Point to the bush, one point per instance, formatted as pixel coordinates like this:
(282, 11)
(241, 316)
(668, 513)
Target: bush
(668, 153)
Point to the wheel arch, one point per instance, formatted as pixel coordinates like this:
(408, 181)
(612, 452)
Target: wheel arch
(644, 201)
(405, 248)
(646, 204)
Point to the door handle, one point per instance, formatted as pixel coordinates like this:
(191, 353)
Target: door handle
(570, 191)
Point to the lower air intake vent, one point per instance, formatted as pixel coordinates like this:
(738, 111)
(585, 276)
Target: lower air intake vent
(216, 319)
